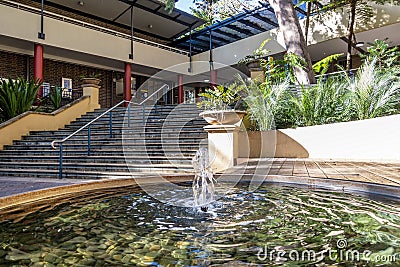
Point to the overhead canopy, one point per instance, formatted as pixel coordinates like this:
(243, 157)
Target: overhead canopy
(149, 16)
(240, 26)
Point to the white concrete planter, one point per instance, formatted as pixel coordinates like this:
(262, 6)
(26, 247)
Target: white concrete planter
(223, 117)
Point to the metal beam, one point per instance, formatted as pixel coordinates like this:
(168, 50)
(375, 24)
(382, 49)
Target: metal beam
(359, 49)
(265, 19)
(131, 54)
(230, 35)
(252, 25)
(235, 28)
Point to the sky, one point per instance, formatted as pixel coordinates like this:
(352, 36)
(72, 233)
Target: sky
(184, 5)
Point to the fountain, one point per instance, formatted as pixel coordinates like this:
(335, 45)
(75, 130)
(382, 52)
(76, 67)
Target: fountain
(203, 183)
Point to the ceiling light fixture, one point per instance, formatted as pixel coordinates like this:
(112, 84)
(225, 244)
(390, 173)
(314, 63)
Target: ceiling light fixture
(359, 44)
(81, 3)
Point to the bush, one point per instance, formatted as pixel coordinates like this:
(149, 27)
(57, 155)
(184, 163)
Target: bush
(17, 97)
(375, 92)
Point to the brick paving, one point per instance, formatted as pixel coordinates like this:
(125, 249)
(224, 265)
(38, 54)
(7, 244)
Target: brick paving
(371, 172)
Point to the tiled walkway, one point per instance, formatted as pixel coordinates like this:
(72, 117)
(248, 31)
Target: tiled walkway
(12, 186)
(372, 172)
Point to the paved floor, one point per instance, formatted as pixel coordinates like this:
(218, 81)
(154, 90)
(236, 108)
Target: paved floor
(12, 186)
(372, 172)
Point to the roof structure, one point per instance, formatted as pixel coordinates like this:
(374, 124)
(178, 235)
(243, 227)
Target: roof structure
(149, 16)
(240, 26)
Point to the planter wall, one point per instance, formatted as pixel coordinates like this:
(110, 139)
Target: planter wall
(373, 139)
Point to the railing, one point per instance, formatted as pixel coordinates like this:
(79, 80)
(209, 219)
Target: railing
(90, 26)
(337, 73)
(88, 126)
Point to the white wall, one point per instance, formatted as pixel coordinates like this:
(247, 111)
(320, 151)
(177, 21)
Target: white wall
(25, 26)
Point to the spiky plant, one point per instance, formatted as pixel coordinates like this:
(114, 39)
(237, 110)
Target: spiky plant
(326, 102)
(17, 96)
(56, 97)
(375, 93)
(263, 101)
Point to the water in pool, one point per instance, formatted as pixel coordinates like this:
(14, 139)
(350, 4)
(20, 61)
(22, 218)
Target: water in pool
(281, 226)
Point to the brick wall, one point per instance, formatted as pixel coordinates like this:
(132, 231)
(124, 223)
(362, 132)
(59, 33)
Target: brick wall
(15, 65)
(12, 65)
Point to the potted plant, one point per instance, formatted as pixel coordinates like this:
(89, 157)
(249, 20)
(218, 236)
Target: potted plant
(91, 79)
(218, 101)
(254, 61)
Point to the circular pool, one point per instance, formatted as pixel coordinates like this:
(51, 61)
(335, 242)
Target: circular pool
(274, 225)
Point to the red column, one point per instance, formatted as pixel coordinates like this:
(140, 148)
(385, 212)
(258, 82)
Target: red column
(127, 82)
(213, 78)
(180, 89)
(38, 65)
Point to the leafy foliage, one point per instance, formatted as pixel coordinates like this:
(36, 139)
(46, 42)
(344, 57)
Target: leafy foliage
(56, 97)
(259, 54)
(374, 93)
(264, 101)
(386, 57)
(326, 102)
(220, 97)
(17, 96)
(322, 66)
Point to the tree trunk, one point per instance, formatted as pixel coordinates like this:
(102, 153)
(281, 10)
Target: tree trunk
(307, 20)
(294, 38)
(350, 33)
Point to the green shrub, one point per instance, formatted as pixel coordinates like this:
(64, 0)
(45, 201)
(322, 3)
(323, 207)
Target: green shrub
(17, 96)
(326, 102)
(374, 93)
(264, 102)
(55, 97)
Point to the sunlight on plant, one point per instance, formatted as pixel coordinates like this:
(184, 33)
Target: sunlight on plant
(220, 97)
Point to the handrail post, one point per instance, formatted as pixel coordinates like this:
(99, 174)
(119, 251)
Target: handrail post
(129, 114)
(60, 166)
(88, 141)
(143, 114)
(111, 135)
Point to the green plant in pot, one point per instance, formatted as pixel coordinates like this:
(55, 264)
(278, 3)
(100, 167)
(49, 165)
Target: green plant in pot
(218, 101)
(257, 58)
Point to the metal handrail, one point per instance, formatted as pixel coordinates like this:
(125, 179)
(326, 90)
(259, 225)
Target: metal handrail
(91, 26)
(88, 126)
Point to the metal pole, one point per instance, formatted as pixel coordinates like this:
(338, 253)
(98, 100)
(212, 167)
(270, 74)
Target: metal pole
(88, 141)
(143, 114)
(190, 50)
(60, 166)
(211, 52)
(111, 135)
(41, 34)
(131, 54)
(129, 115)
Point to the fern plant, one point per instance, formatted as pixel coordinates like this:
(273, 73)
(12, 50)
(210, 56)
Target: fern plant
(17, 96)
(263, 101)
(327, 102)
(374, 93)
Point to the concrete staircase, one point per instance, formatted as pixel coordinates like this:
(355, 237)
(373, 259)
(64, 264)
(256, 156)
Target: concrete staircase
(165, 144)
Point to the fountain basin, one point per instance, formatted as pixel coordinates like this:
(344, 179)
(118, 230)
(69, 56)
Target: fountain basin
(124, 226)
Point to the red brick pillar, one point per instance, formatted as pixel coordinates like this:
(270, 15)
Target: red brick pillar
(180, 89)
(213, 78)
(38, 65)
(127, 83)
